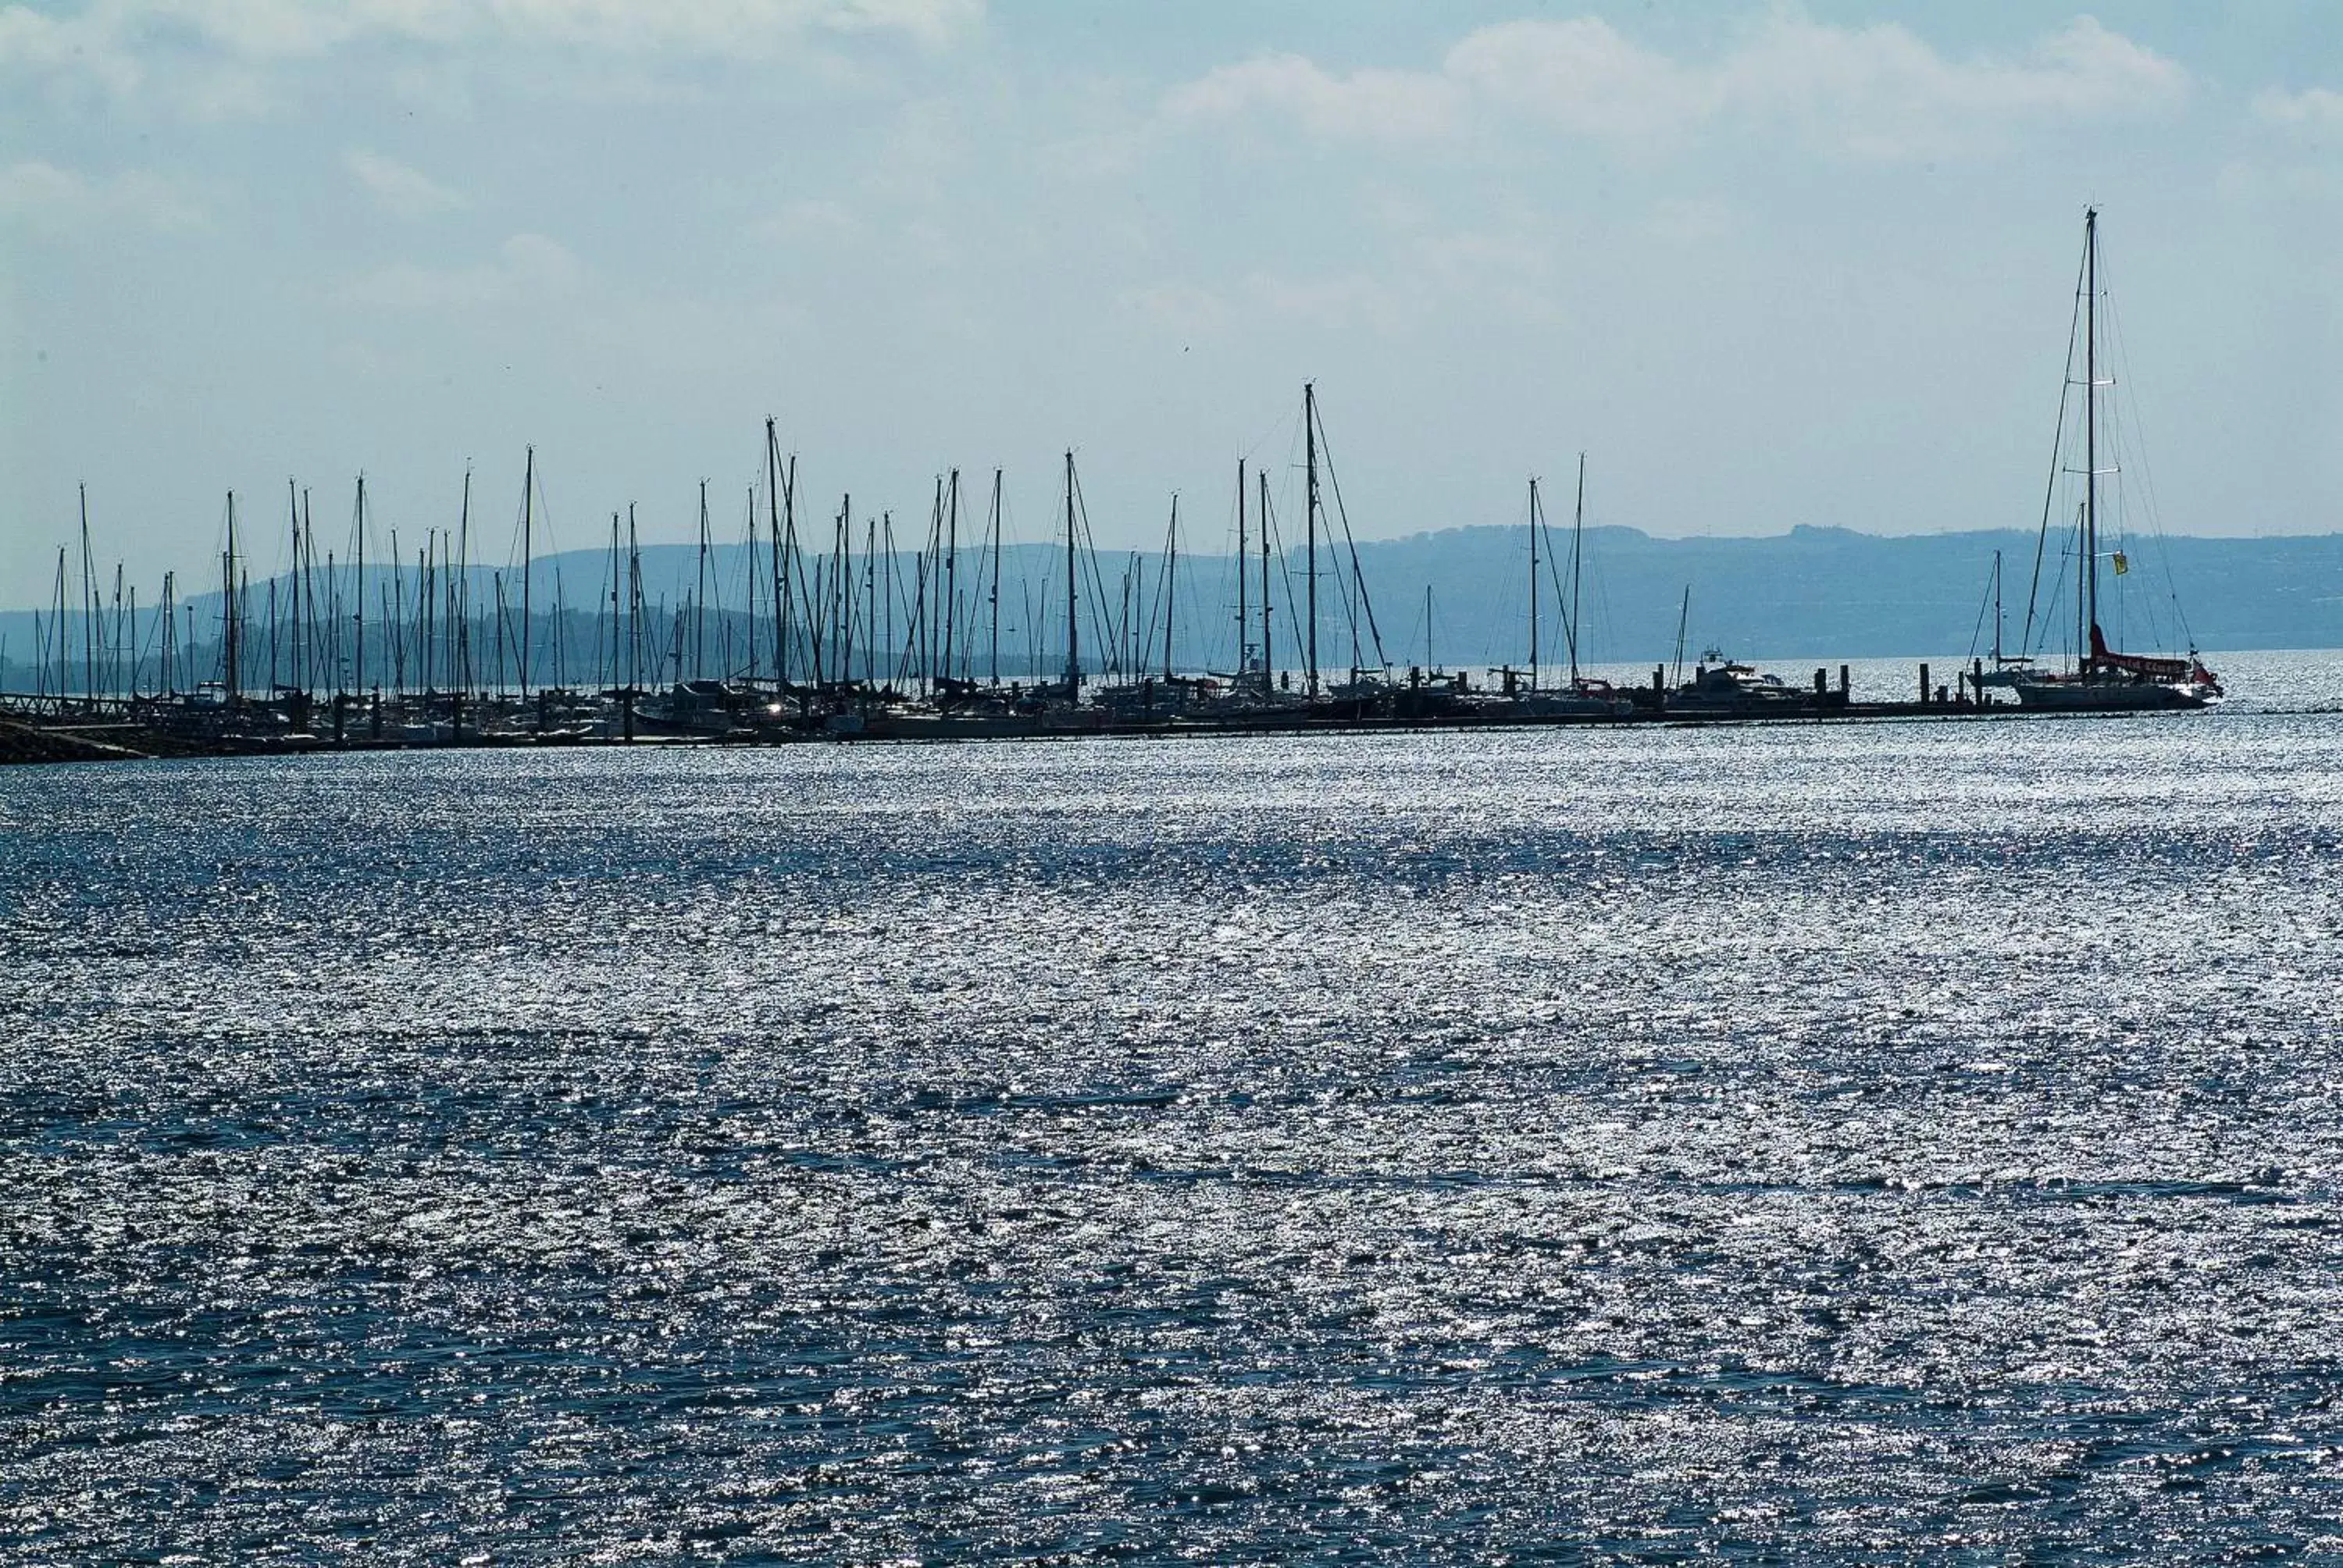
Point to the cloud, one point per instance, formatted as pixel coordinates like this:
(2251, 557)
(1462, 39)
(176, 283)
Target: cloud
(113, 43)
(1871, 92)
(399, 190)
(1363, 105)
(2318, 111)
(1583, 77)
(35, 43)
(52, 200)
(526, 266)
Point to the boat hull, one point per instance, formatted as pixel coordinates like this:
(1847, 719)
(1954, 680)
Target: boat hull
(2112, 696)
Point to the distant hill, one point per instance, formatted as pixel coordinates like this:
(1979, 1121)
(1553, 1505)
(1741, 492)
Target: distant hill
(1812, 593)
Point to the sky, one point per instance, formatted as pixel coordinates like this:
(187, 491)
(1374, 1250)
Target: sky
(1765, 265)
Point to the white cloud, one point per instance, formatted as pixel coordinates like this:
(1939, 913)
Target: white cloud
(1869, 93)
(52, 200)
(2315, 110)
(1583, 77)
(113, 42)
(399, 190)
(1880, 93)
(1364, 105)
(35, 43)
(526, 266)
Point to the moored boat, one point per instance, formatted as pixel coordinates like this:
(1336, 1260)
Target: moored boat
(2102, 679)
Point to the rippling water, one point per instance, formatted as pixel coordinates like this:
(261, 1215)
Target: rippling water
(1823, 1144)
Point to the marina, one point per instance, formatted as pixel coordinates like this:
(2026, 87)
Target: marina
(825, 641)
(882, 643)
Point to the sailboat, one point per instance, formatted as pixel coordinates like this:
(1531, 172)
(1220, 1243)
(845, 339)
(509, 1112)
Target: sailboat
(2104, 680)
(1580, 695)
(2005, 670)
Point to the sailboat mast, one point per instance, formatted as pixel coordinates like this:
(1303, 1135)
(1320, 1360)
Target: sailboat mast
(2085, 647)
(1534, 582)
(1268, 665)
(234, 669)
(1170, 585)
(358, 677)
(1074, 636)
(528, 541)
(1310, 527)
(461, 588)
(1241, 626)
(700, 594)
(1996, 610)
(995, 589)
(1577, 554)
(88, 611)
(780, 560)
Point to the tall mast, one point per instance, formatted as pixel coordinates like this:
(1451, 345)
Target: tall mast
(951, 569)
(58, 624)
(871, 646)
(293, 587)
(994, 592)
(747, 590)
(227, 599)
(792, 568)
(88, 610)
(1996, 610)
(1171, 584)
(841, 586)
(700, 594)
(1310, 528)
(461, 586)
(1577, 553)
(2085, 647)
(527, 529)
(1241, 628)
(1533, 581)
(781, 559)
(333, 621)
(1073, 629)
(1267, 664)
(358, 677)
(309, 564)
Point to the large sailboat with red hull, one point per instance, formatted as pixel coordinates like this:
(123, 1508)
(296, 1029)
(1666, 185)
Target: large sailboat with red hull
(2102, 679)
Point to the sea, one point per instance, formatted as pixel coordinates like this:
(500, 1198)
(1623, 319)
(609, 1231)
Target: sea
(1856, 1143)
